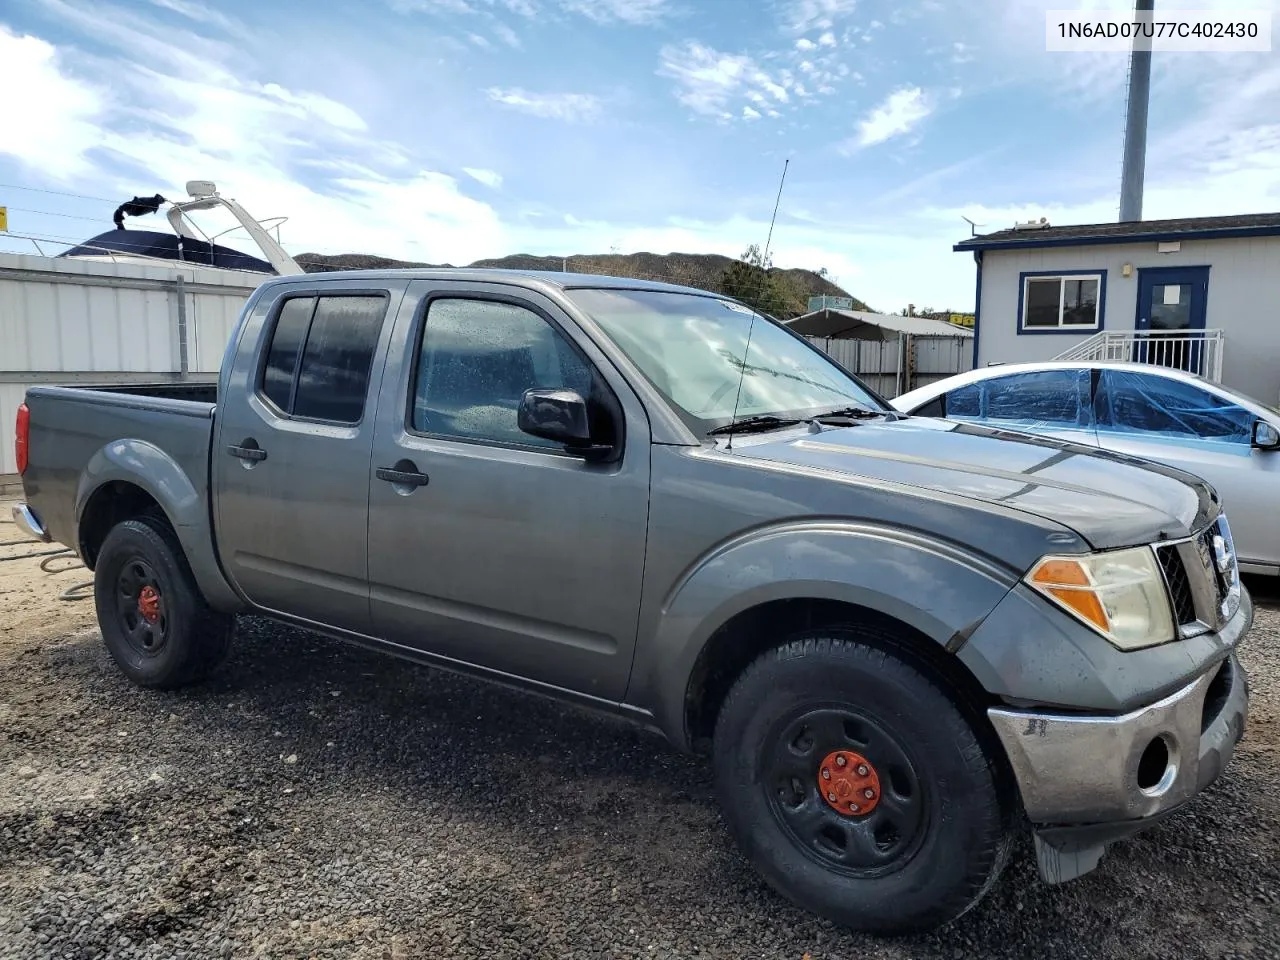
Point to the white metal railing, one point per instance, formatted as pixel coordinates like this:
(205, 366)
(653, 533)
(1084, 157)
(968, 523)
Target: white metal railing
(1196, 351)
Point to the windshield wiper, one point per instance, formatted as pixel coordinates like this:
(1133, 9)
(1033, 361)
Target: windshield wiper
(750, 424)
(848, 413)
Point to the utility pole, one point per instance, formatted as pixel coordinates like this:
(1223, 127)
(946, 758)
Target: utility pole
(1135, 127)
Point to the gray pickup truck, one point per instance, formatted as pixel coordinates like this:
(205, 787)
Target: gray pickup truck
(900, 639)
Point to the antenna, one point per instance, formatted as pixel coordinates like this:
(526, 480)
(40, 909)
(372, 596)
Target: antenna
(973, 227)
(764, 277)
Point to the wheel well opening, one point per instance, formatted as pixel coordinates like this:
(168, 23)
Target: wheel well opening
(750, 633)
(112, 503)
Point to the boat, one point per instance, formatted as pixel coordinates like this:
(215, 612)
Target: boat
(129, 305)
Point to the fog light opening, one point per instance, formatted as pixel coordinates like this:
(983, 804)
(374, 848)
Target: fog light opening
(1155, 769)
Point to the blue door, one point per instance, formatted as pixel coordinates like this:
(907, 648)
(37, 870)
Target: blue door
(1171, 308)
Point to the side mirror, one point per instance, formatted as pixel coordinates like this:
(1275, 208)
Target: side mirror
(560, 416)
(1265, 436)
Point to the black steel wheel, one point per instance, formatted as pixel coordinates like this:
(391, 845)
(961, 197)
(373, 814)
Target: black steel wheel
(140, 608)
(155, 623)
(845, 790)
(861, 784)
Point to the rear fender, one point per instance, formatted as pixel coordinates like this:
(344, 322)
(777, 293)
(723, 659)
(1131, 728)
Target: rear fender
(941, 589)
(146, 466)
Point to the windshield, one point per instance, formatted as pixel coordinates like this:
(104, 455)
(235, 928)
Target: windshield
(691, 349)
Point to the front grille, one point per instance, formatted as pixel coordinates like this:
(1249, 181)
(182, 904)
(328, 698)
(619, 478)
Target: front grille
(1175, 576)
(1203, 578)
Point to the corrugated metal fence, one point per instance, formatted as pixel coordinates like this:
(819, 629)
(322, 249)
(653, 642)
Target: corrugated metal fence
(891, 367)
(73, 321)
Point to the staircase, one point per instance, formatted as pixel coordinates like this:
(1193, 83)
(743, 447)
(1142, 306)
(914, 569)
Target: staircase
(1196, 351)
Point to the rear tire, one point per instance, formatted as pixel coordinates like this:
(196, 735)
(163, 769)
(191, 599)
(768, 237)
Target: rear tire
(936, 831)
(154, 621)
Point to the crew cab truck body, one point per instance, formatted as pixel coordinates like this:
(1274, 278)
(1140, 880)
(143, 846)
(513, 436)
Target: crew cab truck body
(899, 638)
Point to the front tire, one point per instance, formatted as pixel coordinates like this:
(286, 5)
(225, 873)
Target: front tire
(857, 787)
(154, 621)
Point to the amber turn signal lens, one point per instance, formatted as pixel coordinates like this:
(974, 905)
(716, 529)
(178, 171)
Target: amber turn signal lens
(1069, 582)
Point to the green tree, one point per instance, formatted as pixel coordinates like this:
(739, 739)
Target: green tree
(753, 280)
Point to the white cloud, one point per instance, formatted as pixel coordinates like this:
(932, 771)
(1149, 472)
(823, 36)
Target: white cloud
(481, 42)
(708, 80)
(804, 43)
(507, 35)
(635, 12)
(750, 113)
(202, 13)
(570, 107)
(490, 178)
(432, 6)
(828, 39)
(51, 132)
(899, 113)
(164, 127)
(804, 15)
(313, 104)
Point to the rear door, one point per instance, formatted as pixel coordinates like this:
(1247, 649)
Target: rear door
(1052, 403)
(509, 553)
(1192, 428)
(291, 459)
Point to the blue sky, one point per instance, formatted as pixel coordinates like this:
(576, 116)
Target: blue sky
(448, 130)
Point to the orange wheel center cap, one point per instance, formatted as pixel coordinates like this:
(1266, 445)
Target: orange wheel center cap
(849, 783)
(149, 604)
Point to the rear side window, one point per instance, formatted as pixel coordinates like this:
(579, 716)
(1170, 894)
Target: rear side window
(965, 402)
(321, 354)
(286, 342)
(1051, 397)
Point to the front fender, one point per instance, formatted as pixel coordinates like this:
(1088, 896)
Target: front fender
(941, 589)
(148, 467)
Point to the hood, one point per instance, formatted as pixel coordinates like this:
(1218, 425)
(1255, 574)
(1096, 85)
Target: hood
(1108, 499)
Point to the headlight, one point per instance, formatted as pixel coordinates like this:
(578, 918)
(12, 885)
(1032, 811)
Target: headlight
(1121, 594)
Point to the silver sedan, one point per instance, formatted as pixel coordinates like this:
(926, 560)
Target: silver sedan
(1143, 410)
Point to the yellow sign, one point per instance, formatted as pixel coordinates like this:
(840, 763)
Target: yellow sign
(4, 218)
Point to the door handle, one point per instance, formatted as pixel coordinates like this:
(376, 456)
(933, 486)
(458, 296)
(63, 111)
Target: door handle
(242, 452)
(410, 478)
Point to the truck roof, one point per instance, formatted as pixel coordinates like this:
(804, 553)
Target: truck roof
(524, 278)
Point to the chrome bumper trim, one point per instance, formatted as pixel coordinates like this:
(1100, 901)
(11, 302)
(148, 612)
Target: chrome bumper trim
(29, 523)
(1074, 769)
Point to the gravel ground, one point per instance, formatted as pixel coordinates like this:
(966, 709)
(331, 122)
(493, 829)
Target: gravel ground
(315, 800)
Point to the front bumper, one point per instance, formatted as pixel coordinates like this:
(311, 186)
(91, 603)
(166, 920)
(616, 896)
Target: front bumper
(1089, 780)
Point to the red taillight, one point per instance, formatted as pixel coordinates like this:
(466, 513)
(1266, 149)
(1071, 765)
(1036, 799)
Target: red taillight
(21, 432)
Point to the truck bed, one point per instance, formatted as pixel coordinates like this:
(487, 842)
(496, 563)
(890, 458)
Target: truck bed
(196, 392)
(95, 432)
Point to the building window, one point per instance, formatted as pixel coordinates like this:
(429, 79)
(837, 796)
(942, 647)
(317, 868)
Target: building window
(1061, 303)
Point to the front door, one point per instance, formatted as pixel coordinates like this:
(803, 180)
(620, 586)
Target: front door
(1171, 309)
(290, 462)
(489, 546)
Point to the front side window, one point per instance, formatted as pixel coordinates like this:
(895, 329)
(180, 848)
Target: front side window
(1141, 403)
(1061, 303)
(1052, 398)
(694, 351)
(477, 359)
(320, 355)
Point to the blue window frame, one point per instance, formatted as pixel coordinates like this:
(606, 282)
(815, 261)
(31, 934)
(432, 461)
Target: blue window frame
(1061, 301)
